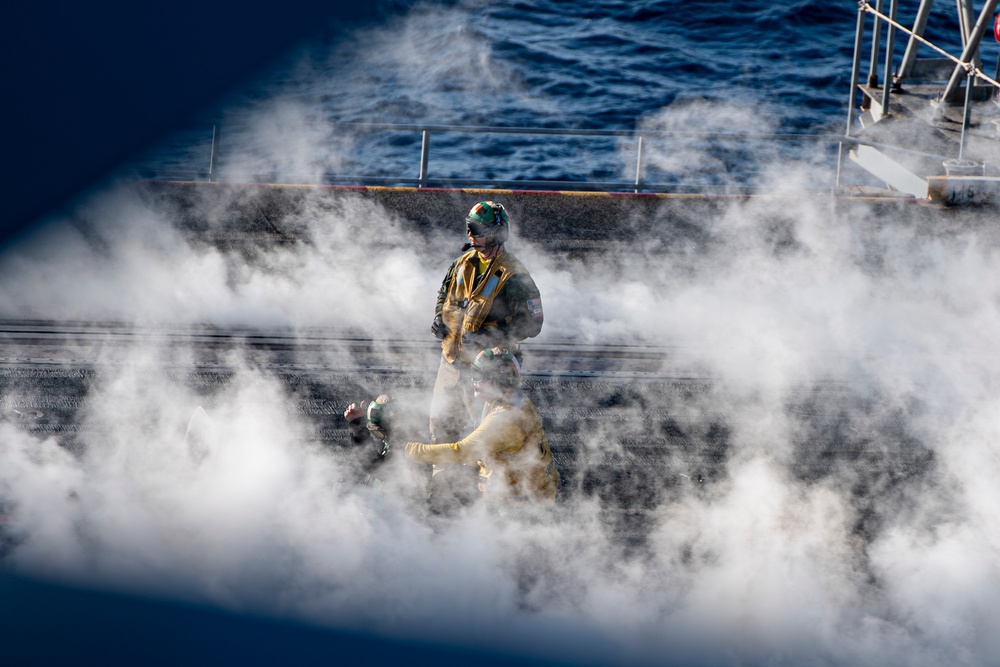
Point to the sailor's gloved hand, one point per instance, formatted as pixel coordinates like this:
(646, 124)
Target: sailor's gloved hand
(381, 447)
(355, 411)
(438, 328)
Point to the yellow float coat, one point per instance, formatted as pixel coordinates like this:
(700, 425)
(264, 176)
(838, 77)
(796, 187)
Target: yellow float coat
(508, 447)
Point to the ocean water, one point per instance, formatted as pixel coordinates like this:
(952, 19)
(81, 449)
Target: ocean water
(699, 69)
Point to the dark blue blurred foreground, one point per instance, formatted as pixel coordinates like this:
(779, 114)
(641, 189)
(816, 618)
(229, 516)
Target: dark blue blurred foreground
(50, 624)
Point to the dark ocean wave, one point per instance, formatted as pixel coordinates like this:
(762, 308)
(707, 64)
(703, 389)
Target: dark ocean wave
(548, 64)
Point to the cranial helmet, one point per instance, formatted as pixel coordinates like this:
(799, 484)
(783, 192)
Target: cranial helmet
(380, 418)
(489, 219)
(496, 365)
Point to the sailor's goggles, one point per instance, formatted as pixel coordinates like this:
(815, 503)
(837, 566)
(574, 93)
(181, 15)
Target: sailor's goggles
(477, 228)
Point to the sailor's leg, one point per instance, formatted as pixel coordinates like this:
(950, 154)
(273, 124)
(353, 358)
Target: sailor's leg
(449, 420)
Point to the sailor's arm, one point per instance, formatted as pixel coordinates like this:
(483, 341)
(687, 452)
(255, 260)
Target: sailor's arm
(357, 426)
(525, 304)
(443, 290)
(498, 432)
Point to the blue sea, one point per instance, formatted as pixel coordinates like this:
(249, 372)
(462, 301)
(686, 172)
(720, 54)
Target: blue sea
(748, 68)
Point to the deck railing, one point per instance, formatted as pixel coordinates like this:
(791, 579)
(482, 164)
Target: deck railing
(712, 144)
(967, 66)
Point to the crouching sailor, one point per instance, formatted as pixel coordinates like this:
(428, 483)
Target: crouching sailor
(374, 428)
(509, 447)
(369, 424)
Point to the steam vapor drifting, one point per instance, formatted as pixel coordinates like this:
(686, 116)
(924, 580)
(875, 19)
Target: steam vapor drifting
(774, 557)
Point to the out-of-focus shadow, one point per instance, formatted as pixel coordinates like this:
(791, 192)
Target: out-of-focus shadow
(88, 85)
(49, 624)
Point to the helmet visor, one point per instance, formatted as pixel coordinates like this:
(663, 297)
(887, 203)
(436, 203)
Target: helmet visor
(477, 228)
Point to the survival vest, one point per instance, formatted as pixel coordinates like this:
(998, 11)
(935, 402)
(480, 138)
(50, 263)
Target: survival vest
(468, 301)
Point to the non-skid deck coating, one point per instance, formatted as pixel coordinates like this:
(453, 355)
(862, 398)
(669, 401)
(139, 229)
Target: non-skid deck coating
(634, 440)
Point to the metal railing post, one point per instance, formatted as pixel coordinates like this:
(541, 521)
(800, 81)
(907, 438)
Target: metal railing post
(425, 148)
(855, 74)
(214, 154)
(919, 26)
(638, 166)
(876, 44)
(996, 93)
(971, 48)
(966, 11)
(890, 43)
(966, 114)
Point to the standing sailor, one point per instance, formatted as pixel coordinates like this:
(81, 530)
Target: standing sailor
(487, 299)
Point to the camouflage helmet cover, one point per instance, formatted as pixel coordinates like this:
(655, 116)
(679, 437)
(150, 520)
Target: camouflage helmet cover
(489, 219)
(497, 365)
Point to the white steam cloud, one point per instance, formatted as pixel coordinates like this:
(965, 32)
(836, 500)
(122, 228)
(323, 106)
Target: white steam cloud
(120, 259)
